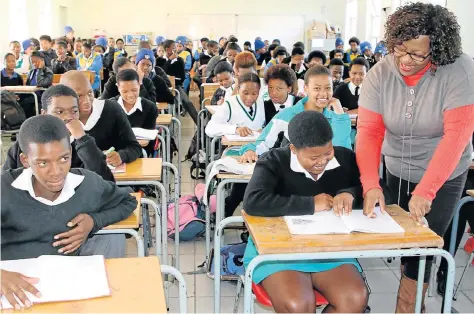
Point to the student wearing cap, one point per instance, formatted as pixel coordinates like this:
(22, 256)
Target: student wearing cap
(380, 52)
(339, 45)
(259, 51)
(90, 60)
(28, 48)
(158, 42)
(69, 32)
(366, 52)
(186, 56)
(352, 52)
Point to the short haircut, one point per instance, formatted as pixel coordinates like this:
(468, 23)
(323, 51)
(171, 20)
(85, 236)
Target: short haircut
(78, 40)
(42, 129)
(272, 47)
(46, 37)
(354, 40)
(7, 55)
(168, 43)
(282, 72)
(118, 63)
(336, 61)
(359, 61)
(62, 44)
(14, 42)
(111, 38)
(298, 44)
(250, 77)
(212, 43)
(56, 91)
(142, 44)
(87, 45)
(120, 39)
(204, 39)
(317, 54)
(297, 51)
(309, 129)
(339, 51)
(127, 75)
(280, 51)
(245, 60)
(233, 46)
(316, 70)
(247, 43)
(38, 54)
(276, 41)
(233, 39)
(222, 67)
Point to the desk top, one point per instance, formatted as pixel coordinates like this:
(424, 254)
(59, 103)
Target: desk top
(271, 236)
(132, 222)
(225, 175)
(164, 119)
(136, 285)
(25, 89)
(142, 169)
(470, 192)
(226, 142)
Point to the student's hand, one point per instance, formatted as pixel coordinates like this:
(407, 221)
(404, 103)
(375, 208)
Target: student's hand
(244, 131)
(114, 159)
(15, 284)
(75, 128)
(342, 204)
(173, 56)
(71, 240)
(248, 157)
(141, 75)
(220, 101)
(419, 207)
(336, 106)
(41, 64)
(323, 202)
(371, 198)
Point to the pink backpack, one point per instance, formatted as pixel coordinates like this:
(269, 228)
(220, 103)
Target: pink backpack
(191, 224)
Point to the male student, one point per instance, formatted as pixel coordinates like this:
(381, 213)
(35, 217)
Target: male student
(259, 51)
(49, 54)
(120, 51)
(348, 93)
(69, 33)
(28, 48)
(62, 102)
(225, 78)
(336, 68)
(248, 46)
(366, 52)
(187, 58)
(63, 62)
(339, 46)
(77, 48)
(352, 52)
(8, 75)
(204, 41)
(15, 49)
(90, 60)
(105, 121)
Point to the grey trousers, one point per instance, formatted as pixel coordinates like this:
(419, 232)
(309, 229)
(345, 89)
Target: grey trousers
(109, 245)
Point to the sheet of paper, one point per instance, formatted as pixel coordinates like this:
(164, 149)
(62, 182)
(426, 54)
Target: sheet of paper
(319, 223)
(353, 116)
(144, 134)
(230, 165)
(383, 223)
(63, 278)
(119, 169)
(238, 138)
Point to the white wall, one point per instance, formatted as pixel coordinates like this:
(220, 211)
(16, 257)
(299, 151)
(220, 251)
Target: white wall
(463, 10)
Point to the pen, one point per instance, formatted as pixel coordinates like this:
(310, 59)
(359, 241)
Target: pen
(111, 149)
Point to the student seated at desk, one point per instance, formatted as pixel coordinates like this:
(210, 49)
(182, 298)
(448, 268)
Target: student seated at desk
(63, 63)
(90, 60)
(296, 62)
(62, 102)
(147, 89)
(104, 120)
(242, 114)
(141, 112)
(278, 55)
(336, 67)
(348, 93)
(230, 53)
(308, 176)
(9, 76)
(50, 209)
(225, 78)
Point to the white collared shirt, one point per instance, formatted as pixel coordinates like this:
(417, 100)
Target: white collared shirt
(97, 108)
(288, 103)
(25, 182)
(137, 106)
(297, 167)
(352, 88)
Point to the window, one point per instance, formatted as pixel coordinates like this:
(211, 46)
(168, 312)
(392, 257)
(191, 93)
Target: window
(374, 29)
(18, 21)
(351, 19)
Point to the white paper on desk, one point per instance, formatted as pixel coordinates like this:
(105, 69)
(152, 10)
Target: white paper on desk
(144, 134)
(238, 138)
(383, 223)
(353, 116)
(231, 165)
(62, 278)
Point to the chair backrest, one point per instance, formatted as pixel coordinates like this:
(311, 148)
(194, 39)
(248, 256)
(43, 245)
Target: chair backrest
(56, 78)
(90, 75)
(101, 74)
(173, 81)
(25, 77)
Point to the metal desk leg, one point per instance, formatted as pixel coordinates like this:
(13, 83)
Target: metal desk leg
(213, 147)
(178, 97)
(208, 213)
(183, 299)
(178, 140)
(176, 212)
(133, 233)
(158, 240)
(36, 103)
(419, 283)
(163, 146)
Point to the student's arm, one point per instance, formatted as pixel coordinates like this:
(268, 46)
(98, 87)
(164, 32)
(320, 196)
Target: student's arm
(78, 63)
(129, 149)
(44, 78)
(11, 161)
(262, 199)
(211, 65)
(115, 205)
(219, 124)
(71, 65)
(92, 157)
(182, 72)
(150, 91)
(161, 73)
(188, 63)
(341, 128)
(109, 88)
(269, 136)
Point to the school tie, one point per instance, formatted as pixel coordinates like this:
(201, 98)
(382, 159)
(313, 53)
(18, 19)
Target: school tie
(251, 111)
(357, 91)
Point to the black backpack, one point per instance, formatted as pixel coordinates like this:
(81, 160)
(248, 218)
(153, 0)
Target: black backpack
(13, 114)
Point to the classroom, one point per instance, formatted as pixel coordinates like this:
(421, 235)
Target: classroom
(305, 156)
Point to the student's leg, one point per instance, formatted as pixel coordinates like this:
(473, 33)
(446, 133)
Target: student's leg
(290, 292)
(344, 289)
(109, 245)
(235, 198)
(188, 105)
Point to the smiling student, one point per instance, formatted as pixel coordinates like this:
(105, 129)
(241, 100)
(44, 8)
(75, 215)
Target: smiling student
(336, 67)
(278, 55)
(63, 63)
(348, 93)
(308, 176)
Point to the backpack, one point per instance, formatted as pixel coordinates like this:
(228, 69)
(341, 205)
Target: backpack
(13, 114)
(197, 169)
(232, 261)
(191, 218)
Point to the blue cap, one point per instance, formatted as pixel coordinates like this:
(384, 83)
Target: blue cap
(68, 29)
(381, 49)
(258, 44)
(101, 41)
(364, 46)
(159, 40)
(145, 54)
(339, 42)
(27, 44)
(181, 40)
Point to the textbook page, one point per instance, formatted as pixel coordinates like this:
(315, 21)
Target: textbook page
(231, 165)
(238, 138)
(144, 134)
(319, 223)
(63, 278)
(383, 223)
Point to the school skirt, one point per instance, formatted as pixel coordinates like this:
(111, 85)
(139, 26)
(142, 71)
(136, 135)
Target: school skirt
(266, 269)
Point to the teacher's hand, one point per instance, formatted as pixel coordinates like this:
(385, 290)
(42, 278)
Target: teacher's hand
(371, 198)
(419, 207)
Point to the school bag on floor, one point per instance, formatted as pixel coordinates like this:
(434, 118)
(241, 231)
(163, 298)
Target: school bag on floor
(232, 261)
(12, 112)
(191, 218)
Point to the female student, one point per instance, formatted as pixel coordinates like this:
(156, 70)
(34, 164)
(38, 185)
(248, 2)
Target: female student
(278, 55)
(318, 86)
(90, 60)
(311, 175)
(242, 114)
(9, 76)
(245, 62)
(230, 53)
(225, 78)
(296, 62)
(141, 112)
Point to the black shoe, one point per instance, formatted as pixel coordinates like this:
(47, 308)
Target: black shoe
(244, 236)
(441, 280)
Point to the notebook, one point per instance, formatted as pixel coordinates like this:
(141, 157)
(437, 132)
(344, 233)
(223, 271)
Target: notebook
(238, 138)
(62, 278)
(231, 165)
(119, 169)
(144, 134)
(328, 223)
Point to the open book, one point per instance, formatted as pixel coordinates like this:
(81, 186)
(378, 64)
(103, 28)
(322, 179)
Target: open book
(238, 138)
(328, 223)
(231, 165)
(62, 278)
(144, 134)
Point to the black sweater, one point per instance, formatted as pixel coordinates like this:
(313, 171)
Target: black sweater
(161, 73)
(175, 69)
(147, 89)
(275, 190)
(85, 154)
(347, 99)
(15, 80)
(145, 119)
(270, 110)
(163, 93)
(28, 226)
(61, 67)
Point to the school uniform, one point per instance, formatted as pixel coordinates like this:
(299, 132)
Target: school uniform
(272, 109)
(163, 93)
(160, 62)
(370, 60)
(40, 77)
(61, 67)
(49, 56)
(175, 68)
(14, 80)
(29, 223)
(161, 73)
(19, 63)
(349, 55)
(25, 64)
(147, 89)
(93, 63)
(222, 92)
(348, 95)
(235, 114)
(188, 63)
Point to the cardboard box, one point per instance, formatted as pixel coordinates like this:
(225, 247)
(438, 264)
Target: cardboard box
(318, 30)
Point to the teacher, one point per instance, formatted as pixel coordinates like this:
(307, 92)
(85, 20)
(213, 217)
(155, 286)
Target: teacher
(416, 107)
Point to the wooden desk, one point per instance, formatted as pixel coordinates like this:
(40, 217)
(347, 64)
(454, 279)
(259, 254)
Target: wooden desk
(132, 222)
(22, 89)
(208, 89)
(472, 166)
(142, 169)
(226, 142)
(56, 78)
(271, 236)
(225, 175)
(136, 285)
(470, 192)
(164, 119)
(162, 106)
